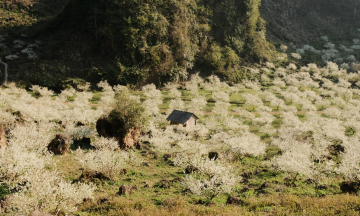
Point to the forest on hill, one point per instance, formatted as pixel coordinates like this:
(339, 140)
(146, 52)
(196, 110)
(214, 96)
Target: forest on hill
(161, 41)
(155, 41)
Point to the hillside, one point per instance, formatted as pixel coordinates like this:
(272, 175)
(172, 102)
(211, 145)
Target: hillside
(288, 145)
(83, 118)
(132, 42)
(302, 21)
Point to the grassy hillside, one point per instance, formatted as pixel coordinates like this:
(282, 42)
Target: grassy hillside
(285, 145)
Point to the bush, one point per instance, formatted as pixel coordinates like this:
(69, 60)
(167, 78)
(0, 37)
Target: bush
(127, 114)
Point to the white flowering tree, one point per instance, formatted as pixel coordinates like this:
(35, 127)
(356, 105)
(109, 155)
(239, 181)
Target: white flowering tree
(213, 178)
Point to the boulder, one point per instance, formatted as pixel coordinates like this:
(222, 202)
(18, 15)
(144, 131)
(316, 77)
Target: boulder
(59, 145)
(125, 189)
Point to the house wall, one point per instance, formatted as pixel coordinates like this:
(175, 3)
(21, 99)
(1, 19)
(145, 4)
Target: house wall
(191, 122)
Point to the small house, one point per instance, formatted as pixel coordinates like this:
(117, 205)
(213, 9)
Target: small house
(187, 119)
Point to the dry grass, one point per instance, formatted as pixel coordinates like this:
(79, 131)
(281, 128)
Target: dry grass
(267, 205)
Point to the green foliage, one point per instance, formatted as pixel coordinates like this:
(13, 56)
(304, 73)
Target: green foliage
(127, 114)
(72, 83)
(4, 190)
(164, 40)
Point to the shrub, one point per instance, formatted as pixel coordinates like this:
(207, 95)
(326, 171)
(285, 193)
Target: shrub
(126, 115)
(105, 161)
(213, 178)
(48, 192)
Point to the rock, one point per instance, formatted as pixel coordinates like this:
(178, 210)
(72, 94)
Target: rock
(213, 155)
(349, 187)
(59, 145)
(191, 169)
(125, 189)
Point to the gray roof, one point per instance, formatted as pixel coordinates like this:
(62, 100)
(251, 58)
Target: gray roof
(180, 116)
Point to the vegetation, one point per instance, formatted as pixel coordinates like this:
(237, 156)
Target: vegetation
(278, 132)
(290, 148)
(128, 114)
(137, 42)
